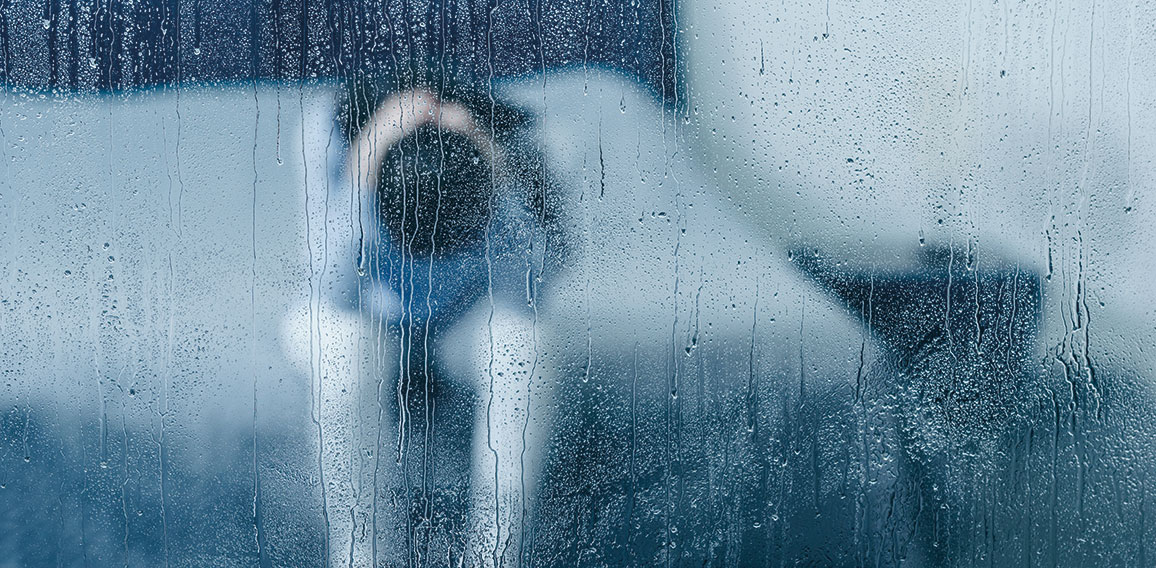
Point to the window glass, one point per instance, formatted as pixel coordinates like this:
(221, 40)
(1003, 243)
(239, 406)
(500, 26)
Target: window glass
(609, 283)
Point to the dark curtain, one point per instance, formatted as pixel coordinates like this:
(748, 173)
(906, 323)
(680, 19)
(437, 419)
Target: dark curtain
(118, 45)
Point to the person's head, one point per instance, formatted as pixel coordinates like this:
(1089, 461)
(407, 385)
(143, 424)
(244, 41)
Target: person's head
(434, 191)
(433, 163)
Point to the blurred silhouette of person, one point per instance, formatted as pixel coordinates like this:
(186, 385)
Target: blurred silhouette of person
(442, 212)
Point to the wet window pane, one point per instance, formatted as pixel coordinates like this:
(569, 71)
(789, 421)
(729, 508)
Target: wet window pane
(576, 283)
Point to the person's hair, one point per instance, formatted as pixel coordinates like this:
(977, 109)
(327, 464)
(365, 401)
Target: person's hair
(434, 192)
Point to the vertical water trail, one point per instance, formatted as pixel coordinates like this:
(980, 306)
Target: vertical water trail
(258, 533)
(316, 289)
(1129, 193)
(427, 401)
(542, 173)
(492, 7)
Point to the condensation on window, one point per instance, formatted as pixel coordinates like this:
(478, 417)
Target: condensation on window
(577, 283)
